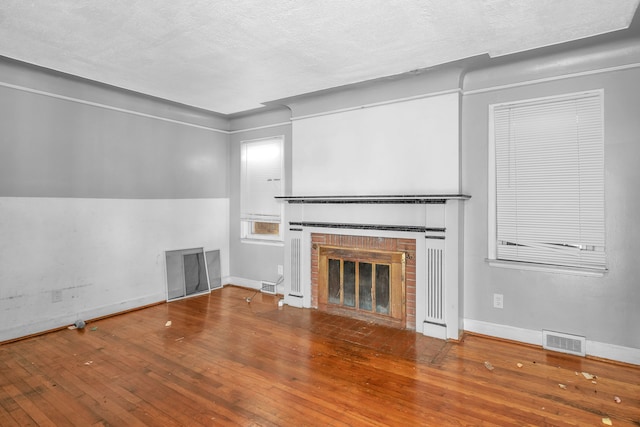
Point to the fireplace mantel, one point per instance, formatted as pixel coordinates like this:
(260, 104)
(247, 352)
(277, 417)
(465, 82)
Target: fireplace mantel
(432, 222)
(364, 199)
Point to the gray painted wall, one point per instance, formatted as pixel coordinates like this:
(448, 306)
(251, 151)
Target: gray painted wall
(604, 309)
(63, 148)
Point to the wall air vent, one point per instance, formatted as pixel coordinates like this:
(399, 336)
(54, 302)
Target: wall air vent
(268, 288)
(564, 343)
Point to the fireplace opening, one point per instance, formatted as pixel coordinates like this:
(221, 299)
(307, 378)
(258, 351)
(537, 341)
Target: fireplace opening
(361, 285)
(363, 282)
(399, 254)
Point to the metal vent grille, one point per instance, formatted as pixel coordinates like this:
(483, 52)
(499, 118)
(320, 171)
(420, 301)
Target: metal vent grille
(564, 343)
(296, 288)
(268, 288)
(435, 286)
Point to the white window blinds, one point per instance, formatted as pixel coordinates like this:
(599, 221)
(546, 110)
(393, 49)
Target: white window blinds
(549, 158)
(261, 179)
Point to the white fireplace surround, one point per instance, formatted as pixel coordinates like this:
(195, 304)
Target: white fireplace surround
(434, 221)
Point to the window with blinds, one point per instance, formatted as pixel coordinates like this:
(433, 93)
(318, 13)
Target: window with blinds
(549, 181)
(261, 180)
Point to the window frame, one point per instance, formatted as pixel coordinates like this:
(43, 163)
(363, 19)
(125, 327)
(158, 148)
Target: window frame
(492, 220)
(247, 235)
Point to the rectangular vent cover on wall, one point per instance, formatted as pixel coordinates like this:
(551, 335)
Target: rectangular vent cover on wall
(564, 343)
(268, 288)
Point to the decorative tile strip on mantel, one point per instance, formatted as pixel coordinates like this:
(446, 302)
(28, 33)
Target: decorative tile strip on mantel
(382, 227)
(372, 199)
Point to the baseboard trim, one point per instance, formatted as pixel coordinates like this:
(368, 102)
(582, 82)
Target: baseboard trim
(245, 283)
(614, 352)
(435, 331)
(596, 349)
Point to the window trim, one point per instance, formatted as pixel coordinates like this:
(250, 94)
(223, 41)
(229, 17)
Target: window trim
(547, 268)
(246, 235)
(492, 226)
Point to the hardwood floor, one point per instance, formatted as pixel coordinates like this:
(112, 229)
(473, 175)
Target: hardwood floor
(224, 361)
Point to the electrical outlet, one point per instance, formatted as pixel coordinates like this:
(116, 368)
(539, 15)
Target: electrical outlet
(280, 269)
(498, 301)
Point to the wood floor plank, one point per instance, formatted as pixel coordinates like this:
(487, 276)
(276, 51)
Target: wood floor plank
(223, 361)
(28, 401)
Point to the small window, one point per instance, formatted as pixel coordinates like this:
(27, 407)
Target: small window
(261, 181)
(547, 181)
(266, 228)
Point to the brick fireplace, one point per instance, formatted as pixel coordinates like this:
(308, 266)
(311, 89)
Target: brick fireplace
(381, 245)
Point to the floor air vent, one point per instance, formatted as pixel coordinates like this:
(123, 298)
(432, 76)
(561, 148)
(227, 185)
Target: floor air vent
(565, 343)
(268, 288)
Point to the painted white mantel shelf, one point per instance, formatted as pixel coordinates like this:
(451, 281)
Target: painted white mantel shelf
(392, 199)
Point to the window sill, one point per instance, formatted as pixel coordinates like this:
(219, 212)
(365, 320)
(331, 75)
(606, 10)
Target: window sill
(263, 242)
(547, 268)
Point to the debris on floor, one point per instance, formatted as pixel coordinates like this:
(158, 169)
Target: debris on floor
(562, 386)
(95, 328)
(607, 421)
(79, 324)
(617, 399)
(588, 376)
(89, 362)
(488, 365)
(168, 323)
(519, 365)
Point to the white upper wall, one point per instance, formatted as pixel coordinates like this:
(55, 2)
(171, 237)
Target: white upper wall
(405, 147)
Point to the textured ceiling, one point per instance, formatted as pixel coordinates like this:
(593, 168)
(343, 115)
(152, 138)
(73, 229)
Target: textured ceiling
(229, 56)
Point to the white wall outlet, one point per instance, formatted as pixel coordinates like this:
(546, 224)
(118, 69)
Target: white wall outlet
(498, 301)
(280, 269)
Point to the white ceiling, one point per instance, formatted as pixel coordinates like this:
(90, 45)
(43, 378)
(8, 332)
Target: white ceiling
(229, 56)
